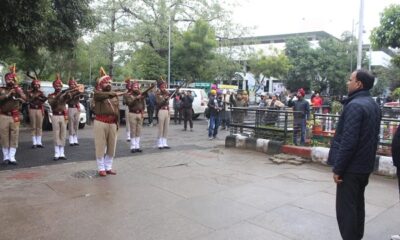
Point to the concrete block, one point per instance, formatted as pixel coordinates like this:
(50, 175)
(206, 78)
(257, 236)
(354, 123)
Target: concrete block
(274, 147)
(319, 154)
(251, 143)
(240, 141)
(230, 141)
(304, 152)
(386, 167)
(262, 145)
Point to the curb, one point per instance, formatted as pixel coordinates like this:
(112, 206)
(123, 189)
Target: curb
(383, 164)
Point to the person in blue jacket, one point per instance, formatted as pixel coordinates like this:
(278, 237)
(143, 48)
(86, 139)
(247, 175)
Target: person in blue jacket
(352, 153)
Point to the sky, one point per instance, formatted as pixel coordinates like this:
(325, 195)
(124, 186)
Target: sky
(270, 17)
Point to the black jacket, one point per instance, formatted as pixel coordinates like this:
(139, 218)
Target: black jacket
(396, 148)
(353, 148)
(215, 105)
(187, 101)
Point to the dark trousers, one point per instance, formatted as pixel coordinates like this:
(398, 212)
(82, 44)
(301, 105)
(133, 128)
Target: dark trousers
(150, 114)
(350, 205)
(299, 125)
(398, 178)
(187, 116)
(177, 115)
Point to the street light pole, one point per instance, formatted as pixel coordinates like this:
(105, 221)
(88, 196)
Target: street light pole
(169, 53)
(360, 34)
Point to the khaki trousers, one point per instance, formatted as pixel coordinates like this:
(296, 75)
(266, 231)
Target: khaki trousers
(73, 121)
(163, 123)
(105, 138)
(59, 130)
(136, 124)
(9, 132)
(36, 118)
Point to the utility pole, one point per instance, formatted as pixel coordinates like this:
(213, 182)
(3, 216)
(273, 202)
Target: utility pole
(360, 34)
(169, 53)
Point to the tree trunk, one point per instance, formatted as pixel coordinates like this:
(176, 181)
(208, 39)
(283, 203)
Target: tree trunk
(112, 44)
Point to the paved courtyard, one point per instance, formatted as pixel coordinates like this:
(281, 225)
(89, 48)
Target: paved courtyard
(197, 190)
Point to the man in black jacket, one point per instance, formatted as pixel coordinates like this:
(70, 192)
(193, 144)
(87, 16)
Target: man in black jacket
(187, 102)
(301, 112)
(352, 153)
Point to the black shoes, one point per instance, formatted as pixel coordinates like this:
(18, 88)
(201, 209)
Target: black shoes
(34, 146)
(56, 158)
(8, 162)
(136, 150)
(39, 146)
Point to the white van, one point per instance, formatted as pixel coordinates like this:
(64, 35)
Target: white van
(200, 101)
(47, 88)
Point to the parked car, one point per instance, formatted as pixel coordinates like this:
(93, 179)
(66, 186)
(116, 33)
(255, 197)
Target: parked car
(200, 101)
(47, 88)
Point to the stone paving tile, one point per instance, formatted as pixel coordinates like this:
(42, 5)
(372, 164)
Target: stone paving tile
(214, 211)
(292, 184)
(243, 231)
(297, 223)
(190, 187)
(258, 197)
(27, 194)
(382, 227)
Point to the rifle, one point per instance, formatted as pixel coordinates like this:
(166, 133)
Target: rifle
(148, 89)
(179, 87)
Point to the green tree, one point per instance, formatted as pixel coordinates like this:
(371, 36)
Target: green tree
(388, 33)
(302, 58)
(275, 66)
(193, 52)
(29, 26)
(146, 64)
(331, 67)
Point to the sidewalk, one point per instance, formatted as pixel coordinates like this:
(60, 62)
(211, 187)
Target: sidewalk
(197, 190)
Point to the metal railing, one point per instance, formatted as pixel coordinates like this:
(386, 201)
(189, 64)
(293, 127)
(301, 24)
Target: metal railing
(268, 123)
(277, 124)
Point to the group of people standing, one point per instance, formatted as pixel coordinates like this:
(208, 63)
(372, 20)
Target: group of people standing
(219, 112)
(183, 104)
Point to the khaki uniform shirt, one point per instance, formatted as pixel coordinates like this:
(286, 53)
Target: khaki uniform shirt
(57, 102)
(8, 104)
(36, 99)
(106, 103)
(134, 102)
(161, 100)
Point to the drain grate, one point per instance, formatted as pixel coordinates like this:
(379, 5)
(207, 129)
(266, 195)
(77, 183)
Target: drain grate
(86, 174)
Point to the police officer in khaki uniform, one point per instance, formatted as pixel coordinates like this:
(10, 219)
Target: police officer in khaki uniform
(73, 114)
(106, 124)
(162, 100)
(36, 99)
(11, 97)
(135, 102)
(58, 101)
